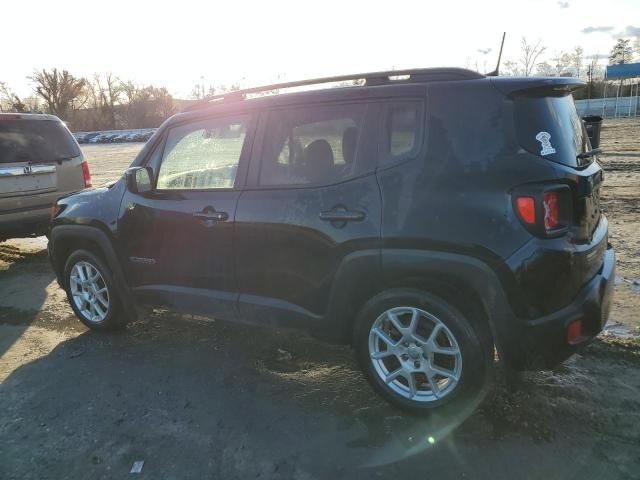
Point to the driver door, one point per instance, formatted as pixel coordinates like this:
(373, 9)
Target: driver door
(178, 248)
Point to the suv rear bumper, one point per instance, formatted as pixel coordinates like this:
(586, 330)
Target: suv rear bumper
(25, 222)
(543, 342)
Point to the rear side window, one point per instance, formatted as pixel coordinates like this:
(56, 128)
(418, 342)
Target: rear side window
(311, 145)
(35, 141)
(402, 131)
(551, 128)
(202, 155)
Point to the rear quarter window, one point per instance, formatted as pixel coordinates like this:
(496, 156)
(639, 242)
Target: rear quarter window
(35, 141)
(402, 131)
(551, 128)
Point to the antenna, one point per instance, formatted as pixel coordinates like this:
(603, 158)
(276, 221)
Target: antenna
(496, 72)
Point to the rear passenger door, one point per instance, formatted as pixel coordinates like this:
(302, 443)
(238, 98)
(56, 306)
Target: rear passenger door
(311, 200)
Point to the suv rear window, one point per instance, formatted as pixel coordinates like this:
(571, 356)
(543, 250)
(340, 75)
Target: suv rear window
(556, 116)
(35, 141)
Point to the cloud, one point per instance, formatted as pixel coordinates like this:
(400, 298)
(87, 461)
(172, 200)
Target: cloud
(602, 29)
(484, 51)
(563, 4)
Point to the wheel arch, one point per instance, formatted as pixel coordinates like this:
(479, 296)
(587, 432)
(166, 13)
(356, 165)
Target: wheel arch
(65, 239)
(466, 282)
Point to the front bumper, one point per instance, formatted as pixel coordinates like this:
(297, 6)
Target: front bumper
(543, 342)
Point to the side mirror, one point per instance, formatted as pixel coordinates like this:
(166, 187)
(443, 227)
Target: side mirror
(139, 179)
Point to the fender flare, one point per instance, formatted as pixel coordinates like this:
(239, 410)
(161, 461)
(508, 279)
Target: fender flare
(377, 270)
(64, 233)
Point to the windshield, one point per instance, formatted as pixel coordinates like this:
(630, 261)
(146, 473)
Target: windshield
(35, 141)
(551, 127)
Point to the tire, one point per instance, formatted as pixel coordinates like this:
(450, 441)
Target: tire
(456, 350)
(101, 317)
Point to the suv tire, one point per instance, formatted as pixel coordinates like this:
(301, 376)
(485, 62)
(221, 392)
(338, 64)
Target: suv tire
(91, 292)
(421, 354)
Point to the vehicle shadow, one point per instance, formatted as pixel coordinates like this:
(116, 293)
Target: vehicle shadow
(25, 284)
(196, 398)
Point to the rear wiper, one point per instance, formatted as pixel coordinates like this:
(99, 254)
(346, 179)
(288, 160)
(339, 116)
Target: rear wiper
(588, 154)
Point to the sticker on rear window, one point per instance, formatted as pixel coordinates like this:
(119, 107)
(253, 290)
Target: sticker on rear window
(545, 142)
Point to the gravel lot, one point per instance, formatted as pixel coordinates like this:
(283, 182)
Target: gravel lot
(197, 398)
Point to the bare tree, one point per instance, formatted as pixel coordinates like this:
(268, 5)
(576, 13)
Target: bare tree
(545, 69)
(577, 60)
(561, 63)
(104, 94)
(12, 102)
(58, 89)
(529, 54)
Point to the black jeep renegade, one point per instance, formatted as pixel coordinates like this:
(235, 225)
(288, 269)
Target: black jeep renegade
(431, 218)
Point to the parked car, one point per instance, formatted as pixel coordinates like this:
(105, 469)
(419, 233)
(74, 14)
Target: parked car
(39, 161)
(431, 218)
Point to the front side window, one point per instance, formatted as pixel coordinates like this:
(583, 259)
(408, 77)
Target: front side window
(313, 145)
(202, 155)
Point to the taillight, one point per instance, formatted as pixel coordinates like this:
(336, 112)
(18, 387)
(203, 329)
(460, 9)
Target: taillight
(545, 210)
(55, 209)
(551, 210)
(527, 209)
(86, 174)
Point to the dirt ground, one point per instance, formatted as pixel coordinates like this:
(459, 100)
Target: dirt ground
(198, 398)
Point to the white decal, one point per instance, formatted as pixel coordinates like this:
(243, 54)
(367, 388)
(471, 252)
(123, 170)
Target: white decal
(545, 140)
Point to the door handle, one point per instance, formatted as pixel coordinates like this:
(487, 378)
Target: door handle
(342, 216)
(211, 216)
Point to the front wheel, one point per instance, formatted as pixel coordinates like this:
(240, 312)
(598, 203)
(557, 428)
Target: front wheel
(421, 353)
(91, 293)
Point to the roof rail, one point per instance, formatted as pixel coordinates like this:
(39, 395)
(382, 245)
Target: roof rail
(417, 75)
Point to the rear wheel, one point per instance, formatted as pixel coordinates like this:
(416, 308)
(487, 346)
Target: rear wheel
(91, 293)
(420, 352)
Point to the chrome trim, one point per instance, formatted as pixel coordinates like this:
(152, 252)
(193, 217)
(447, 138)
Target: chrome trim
(26, 170)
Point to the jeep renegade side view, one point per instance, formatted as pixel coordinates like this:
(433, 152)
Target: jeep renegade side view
(39, 161)
(428, 217)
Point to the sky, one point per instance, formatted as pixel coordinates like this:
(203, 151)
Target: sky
(180, 43)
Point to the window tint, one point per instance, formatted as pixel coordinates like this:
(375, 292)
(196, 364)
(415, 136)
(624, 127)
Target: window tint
(35, 141)
(311, 146)
(402, 130)
(202, 155)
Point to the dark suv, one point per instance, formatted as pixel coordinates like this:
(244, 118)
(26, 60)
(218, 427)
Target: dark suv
(431, 218)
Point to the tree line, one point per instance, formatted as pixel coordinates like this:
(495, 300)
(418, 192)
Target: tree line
(572, 64)
(102, 102)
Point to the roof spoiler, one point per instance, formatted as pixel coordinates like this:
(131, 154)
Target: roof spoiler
(537, 86)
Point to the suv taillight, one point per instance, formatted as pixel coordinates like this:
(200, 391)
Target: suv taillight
(551, 210)
(545, 211)
(86, 174)
(527, 209)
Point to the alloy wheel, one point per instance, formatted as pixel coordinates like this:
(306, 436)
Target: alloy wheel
(415, 354)
(89, 291)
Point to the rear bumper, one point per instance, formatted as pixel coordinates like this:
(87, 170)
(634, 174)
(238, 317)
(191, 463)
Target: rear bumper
(25, 222)
(543, 342)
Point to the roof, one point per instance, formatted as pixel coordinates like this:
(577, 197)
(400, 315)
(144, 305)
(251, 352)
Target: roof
(28, 116)
(623, 70)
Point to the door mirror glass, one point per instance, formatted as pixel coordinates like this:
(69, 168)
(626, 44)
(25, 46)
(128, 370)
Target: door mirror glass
(140, 179)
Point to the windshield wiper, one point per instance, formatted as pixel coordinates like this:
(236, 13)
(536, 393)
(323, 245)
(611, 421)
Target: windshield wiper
(588, 154)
